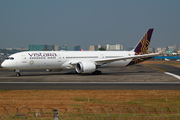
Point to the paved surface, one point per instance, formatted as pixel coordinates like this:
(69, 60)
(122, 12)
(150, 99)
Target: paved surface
(139, 73)
(167, 68)
(89, 86)
(139, 77)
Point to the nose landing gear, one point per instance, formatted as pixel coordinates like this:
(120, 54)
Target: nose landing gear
(17, 73)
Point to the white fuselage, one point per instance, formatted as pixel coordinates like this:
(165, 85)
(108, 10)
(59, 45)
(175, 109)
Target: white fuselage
(57, 60)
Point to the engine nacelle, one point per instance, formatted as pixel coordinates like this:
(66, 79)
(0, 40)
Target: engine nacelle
(85, 67)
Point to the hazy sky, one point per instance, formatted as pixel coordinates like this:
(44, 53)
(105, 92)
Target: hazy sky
(88, 22)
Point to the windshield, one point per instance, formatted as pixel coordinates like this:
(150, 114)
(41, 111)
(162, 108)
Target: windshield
(10, 58)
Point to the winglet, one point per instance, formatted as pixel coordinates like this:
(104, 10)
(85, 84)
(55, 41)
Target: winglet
(142, 46)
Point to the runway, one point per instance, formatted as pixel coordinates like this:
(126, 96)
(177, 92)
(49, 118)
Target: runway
(140, 77)
(88, 86)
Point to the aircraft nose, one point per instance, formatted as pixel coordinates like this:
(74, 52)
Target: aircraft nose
(3, 64)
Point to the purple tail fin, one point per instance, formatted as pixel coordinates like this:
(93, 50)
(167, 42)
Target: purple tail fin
(143, 45)
(142, 48)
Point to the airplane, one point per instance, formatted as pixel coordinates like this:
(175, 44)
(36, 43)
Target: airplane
(81, 61)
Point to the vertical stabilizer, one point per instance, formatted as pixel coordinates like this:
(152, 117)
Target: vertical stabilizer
(143, 45)
(142, 48)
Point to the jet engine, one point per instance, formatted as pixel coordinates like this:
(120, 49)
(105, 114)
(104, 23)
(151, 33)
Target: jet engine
(85, 67)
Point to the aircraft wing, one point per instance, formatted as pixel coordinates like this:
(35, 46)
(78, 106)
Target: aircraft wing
(108, 60)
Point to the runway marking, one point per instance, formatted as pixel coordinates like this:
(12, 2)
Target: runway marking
(156, 68)
(168, 73)
(174, 75)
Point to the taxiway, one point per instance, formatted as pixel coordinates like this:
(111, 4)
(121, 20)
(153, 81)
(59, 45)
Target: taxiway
(140, 77)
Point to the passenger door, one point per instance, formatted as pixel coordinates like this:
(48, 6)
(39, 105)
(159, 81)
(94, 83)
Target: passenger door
(59, 58)
(23, 58)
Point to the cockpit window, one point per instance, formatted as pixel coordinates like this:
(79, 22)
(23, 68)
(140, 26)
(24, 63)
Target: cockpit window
(10, 58)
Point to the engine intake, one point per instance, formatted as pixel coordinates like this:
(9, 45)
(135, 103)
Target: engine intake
(85, 67)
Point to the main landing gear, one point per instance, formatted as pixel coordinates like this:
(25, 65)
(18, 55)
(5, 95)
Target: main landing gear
(17, 73)
(97, 72)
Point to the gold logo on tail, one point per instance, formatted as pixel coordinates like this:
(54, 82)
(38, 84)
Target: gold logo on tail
(145, 44)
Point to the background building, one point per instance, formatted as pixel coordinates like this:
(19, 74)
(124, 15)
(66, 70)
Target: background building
(93, 47)
(171, 48)
(151, 49)
(115, 47)
(176, 46)
(121, 47)
(48, 47)
(164, 49)
(159, 49)
(56, 47)
(41, 47)
(96, 47)
(70, 47)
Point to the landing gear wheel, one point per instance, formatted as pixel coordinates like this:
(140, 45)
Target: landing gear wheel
(97, 72)
(77, 72)
(18, 74)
